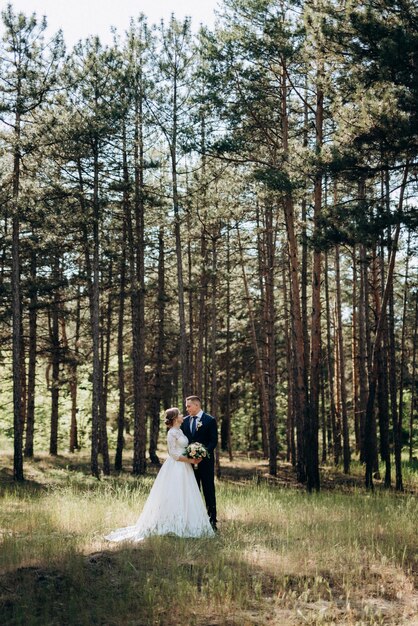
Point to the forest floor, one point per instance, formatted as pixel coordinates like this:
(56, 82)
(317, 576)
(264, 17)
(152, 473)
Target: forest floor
(281, 557)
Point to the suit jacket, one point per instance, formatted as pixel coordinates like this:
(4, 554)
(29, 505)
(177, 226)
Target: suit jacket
(207, 433)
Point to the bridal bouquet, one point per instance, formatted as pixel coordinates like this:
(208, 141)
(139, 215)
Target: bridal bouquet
(197, 451)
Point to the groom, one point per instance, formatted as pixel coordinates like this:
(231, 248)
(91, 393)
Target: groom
(201, 427)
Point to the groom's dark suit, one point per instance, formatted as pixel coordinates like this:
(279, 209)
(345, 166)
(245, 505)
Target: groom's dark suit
(207, 434)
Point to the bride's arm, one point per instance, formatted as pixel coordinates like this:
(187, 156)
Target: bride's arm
(171, 439)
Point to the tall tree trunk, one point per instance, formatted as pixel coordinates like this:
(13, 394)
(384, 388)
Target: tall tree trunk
(226, 418)
(261, 330)
(120, 443)
(323, 414)
(337, 376)
(138, 296)
(73, 375)
(55, 359)
(304, 259)
(342, 382)
(362, 350)
(190, 346)
(382, 381)
(159, 360)
(312, 460)
(213, 358)
(105, 360)
(301, 394)
(95, 320)
(93, 289)
(24, 385)
(290, 421)
(354, 352)
(271, 340)
(17, 313)
(402, 366)
(33, 305)
(184, 343)
(203, 288)
(334, 431)
(413, 382)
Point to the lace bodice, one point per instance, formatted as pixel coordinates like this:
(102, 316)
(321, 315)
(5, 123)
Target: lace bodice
(176, 443)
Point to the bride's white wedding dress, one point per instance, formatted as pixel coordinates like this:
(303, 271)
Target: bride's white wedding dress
(174, 505)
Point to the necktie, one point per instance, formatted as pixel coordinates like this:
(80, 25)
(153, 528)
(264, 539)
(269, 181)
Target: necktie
(194, 424)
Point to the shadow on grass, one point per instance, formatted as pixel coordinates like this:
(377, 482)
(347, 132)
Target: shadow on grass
(164, 580)
(8, 484)
(167, 581)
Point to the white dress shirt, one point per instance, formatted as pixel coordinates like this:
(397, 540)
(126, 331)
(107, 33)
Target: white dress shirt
(198, 420)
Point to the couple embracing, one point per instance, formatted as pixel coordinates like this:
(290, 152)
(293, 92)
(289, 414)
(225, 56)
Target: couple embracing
(175, 505)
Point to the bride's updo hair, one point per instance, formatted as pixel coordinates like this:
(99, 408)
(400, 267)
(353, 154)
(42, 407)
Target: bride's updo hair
(171, 415)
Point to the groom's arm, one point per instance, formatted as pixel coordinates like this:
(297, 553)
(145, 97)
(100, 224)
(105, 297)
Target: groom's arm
(213, 436)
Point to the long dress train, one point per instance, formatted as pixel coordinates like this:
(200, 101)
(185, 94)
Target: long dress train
(174, 505)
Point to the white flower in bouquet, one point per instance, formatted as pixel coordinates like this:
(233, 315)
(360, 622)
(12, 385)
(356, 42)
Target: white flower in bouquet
(197, 451)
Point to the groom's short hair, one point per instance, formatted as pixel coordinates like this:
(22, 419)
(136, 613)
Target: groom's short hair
(193, 399)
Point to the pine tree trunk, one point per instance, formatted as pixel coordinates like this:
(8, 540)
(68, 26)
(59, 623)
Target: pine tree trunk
(105, 360)
(55, 358)
(74, 444)
(137, 278)
(312, 464)
(213, 358)
(203, 288)
(413, 382)
(17, 314)
(402, 368)
(342, 382)
(95, 321)
(362, 351)
(261, 330)
(184, 343)
(226, 418)
(271, 340)
(92, 279)
(290, 420)
(392, 354)
(23, 385)
(334, 434)
(382, 380)
(32, 348)
(337, 388)
(354, 352)
(120, 443)
(190, 345)
(323, 413)
(140, 433)
(301, 394)
(159, 361)
(304, 259)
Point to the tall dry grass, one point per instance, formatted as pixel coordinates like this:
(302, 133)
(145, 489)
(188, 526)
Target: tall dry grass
(281, 556)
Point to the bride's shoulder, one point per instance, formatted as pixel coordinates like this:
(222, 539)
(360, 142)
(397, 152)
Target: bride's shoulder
(174, 432)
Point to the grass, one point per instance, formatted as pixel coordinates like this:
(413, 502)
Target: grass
(343, 556)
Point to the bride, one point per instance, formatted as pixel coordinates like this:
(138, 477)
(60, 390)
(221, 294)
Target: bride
(174, 504)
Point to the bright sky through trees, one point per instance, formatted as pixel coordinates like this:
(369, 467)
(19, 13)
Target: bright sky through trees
(80, 18)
